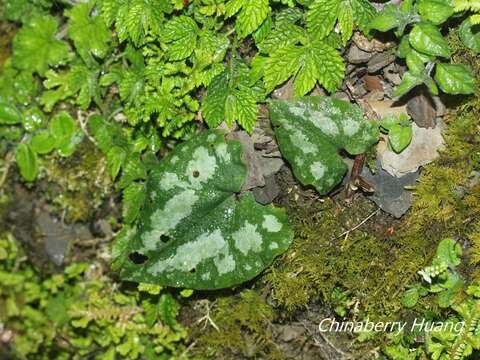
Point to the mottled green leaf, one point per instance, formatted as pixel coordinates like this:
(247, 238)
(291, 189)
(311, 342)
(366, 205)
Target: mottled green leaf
(454, 79)
(427, 39)
(312, 130)
(192, 231)
(27, 162)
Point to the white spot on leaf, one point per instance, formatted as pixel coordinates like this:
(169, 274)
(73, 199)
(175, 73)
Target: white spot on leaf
(222, 151)
(163, 220)
(201, 168)
(271, 223)
(317, 169)
(247, 239)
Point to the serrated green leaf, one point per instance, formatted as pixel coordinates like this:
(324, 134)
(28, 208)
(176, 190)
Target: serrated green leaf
(322, 16)
(79, 82)
(281, 36)
(246, 107)
(307, 76)
(192, 231)
(43, 142)
(9, 114)
(435, 11)
(409, 81)
(133, 199)
(454, 79)
(345, 22)
(281, 65)
(311, 131)
(135, 19)
(181, 34)
(35, 47)
(115, 159)
(317, 59)
(88, 32)
(214, 103)
(363, 13)
(427, 39)
(470, 35)
(232, 97)
(27, 162)
(251, 14)
(168, 309)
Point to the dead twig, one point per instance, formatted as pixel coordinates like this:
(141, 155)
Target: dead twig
(346, 233)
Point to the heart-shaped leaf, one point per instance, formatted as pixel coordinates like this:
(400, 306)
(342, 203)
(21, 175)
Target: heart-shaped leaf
(312, 130)
(192, 231)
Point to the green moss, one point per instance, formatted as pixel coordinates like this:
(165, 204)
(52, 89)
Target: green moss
(244, 329)
(78, 184)
(81, 314)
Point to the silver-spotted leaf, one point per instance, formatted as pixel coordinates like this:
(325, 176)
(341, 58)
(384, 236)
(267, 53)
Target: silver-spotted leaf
(312, 130)
(192, 231)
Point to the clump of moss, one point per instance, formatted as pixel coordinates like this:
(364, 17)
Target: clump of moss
(244, 329)
(77, 185)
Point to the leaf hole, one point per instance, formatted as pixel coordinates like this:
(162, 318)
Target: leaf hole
(164, 239)
(193, 271)
(137, 258)
(196, 174)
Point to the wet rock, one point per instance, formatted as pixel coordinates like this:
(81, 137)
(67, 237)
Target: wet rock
(59, 237)
(372, 82)
(252, 159)
(421, 109)
(341, 95)
(391, 74)
(387, 107)
(439, 105)
(358, 56)
(379, 61)
(267, 193)
(284, 92)
(390, 193)
(374, 45)
(375, 95)
(291, 332)
(422, 150)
